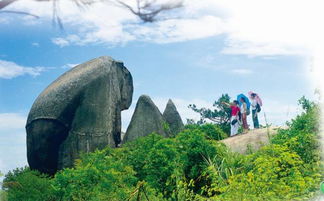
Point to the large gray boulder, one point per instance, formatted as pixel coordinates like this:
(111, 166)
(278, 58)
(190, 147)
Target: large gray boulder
(172, 117)
(146, 119)
(78, 112)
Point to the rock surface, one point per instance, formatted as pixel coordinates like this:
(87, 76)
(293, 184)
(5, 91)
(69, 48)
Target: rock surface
(79, 112)
(255, 139)
(172, 117)
(146, 119)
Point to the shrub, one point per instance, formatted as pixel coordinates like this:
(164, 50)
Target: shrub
(161, 164)
(135, 153)
(193, 148)
(23, 184)
(220, 168)
(3, 195)
(97, 176)
(302, 135)
(212, 131)
(273, 173)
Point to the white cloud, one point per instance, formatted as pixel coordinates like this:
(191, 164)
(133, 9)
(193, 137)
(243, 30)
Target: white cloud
(258, 28)
(12, 121)
(35, 44)
(9, 70)
(4, 20)
(260, 49)
(252, 27)
(105, 23)
(177, 30)
(241, 71)
(12, 141)
(60, 42)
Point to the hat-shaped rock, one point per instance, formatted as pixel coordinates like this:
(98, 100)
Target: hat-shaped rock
(172, 117)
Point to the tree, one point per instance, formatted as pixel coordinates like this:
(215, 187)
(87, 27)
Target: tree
(221, 115)
(27, 185)
(145, 10)
(306, 104)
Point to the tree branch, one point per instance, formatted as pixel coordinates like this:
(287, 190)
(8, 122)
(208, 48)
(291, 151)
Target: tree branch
(19, 12)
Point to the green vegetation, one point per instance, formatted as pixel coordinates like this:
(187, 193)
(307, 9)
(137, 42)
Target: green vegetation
(220, 115)
(192, 165)
(3, 194)
(28, 185)
(212, 131)
(97, 176)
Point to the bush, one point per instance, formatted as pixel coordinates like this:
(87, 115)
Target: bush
(97, 176)
(135, 153)
(194, 148)
(212, 131)
(23, 184)
(272, 173)
(164, 162)
(3, 196)
(302, 136)
(161, 164)
(219, 170)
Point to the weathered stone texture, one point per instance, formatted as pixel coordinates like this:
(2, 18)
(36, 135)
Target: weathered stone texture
(78, 112)
(146, 119)
(172, 117)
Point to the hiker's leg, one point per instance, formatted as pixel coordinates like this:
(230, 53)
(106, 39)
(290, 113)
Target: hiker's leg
(236, 127)
(232, 127)
(232, 130)
(244, 121)
(253, 117)
(256, 121)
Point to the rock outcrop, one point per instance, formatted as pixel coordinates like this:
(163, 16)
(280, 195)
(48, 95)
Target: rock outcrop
(146, 119)
(253, 140)
(172, 118)
(78, 112)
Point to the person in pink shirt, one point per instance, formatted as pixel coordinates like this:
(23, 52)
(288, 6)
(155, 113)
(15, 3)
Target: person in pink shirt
(234, 116)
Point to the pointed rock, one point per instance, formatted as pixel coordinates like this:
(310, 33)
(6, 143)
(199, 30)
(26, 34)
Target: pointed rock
(146, 119)
(172, 117)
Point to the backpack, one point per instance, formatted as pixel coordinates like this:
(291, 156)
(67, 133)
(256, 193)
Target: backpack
(258, 107)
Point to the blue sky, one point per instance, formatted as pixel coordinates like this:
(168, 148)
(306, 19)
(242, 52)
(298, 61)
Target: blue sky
(190, 60)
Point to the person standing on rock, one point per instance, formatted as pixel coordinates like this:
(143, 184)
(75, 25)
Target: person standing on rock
(243, 110)
(255, 109)
(234, 116)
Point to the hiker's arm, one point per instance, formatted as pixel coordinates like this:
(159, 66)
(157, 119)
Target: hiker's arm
(227, 104)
